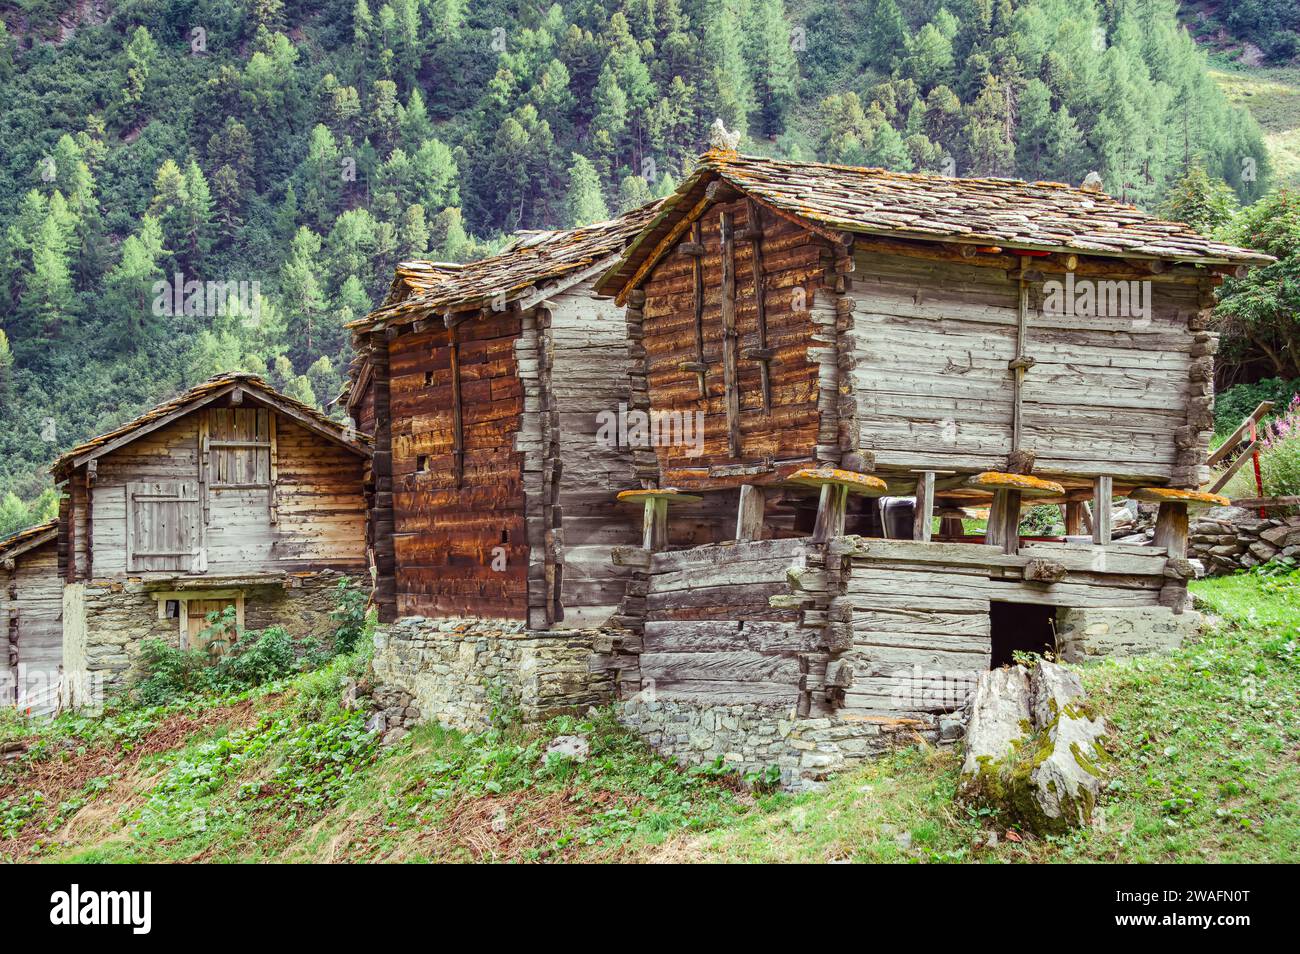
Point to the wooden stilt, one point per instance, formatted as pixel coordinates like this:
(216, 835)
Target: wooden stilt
(923, 527)
(1171, 529)
(1102, 505)
(1004, 521)
(1074, 518)
(830, 513)
(749, 517)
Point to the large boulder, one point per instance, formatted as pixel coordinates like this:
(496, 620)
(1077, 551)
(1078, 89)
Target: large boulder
(1034, 748)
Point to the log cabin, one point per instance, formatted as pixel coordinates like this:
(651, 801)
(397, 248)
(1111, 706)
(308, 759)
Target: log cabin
(492, 496)
(877, 359)
(31, 610)
(229, 496)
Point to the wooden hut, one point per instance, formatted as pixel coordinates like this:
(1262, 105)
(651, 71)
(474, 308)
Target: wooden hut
(31, 610)
(850, 334)
(231, 495)
(487, 382)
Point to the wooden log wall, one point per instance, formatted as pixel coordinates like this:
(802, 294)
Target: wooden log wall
(932, 341)
(588, 376)
(314, 520)
(712, 635)
(31, 612)
(445, 535)
(779, 352)
(918, 613)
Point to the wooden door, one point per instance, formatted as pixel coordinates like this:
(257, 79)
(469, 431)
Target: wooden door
(196, 626)
(163, 525)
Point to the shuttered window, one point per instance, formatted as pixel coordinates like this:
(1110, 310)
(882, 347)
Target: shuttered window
(162, 525)
(239, 440)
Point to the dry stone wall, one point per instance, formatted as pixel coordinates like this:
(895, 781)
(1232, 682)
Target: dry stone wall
(470, 674)
(1228, 539)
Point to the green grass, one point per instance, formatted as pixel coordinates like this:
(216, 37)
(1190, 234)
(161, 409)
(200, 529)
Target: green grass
(1272, 94)
(1207, 750)
(1206, 747)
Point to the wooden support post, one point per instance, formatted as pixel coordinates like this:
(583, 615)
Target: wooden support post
(1004, 521)
(731, 392)
(924, 525)
(1171, 529)
(1074, 518)
(1102, 506)
(92, 472)
(749, 517)
(654, 528)
(754, 232)
(1020, 363)
(458, 435)
(831, 507)
(697, 270)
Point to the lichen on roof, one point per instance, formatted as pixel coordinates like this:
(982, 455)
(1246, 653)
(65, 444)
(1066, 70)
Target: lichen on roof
(526, 265)
(1008, 213)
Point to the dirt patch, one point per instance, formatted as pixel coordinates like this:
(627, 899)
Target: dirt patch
(65, 774)
(519, 827)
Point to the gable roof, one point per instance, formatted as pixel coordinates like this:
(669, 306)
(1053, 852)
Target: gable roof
(533, 267)
(1009, 213)
(28, 538)
(203, 394)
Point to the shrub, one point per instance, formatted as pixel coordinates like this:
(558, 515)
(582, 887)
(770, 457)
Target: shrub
(354, 622)
(1279, 458)
(1233, 405)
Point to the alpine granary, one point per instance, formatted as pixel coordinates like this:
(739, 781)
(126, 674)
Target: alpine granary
(494, 496)
(840, 368)
(31, 608)
(231, 495)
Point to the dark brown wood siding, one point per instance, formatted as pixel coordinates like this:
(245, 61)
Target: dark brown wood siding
(444, 535)
(793, 262)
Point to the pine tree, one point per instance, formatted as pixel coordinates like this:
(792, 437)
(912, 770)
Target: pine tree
(302, 295)
(1202, 201)
(584, 203)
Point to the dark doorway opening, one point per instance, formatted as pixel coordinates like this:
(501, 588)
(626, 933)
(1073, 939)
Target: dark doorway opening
(1022, 627)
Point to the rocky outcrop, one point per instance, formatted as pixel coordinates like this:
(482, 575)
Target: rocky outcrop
(1033, 748)
(1228, 539)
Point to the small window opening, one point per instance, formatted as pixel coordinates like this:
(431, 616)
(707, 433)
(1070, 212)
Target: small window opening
(505, 536)
(421, 464)
(1021, 627)
(173, 609)
(428, 379)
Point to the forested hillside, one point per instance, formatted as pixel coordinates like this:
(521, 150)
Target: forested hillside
(191, 186)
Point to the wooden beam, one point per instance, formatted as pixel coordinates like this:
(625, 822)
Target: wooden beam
(697, 271)
(1020, 363)
(924, 525)
(1236, 436)
(1171, 529)
(764, 358)
(749, 516)
(458, 434)
(1236, 465)
(1102, 494)
(729, 336)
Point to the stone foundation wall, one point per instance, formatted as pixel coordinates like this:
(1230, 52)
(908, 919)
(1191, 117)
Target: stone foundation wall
(119, 615)
(751, 737)
(1086, 634)
(470, 674)
(1227, 539)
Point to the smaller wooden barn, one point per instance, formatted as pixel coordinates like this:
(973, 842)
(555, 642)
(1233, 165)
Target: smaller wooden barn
(31, 611)
(229, 496)
(487, 384)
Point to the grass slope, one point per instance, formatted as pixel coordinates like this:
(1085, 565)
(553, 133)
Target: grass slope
(1207, 768)
(1272, 94)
